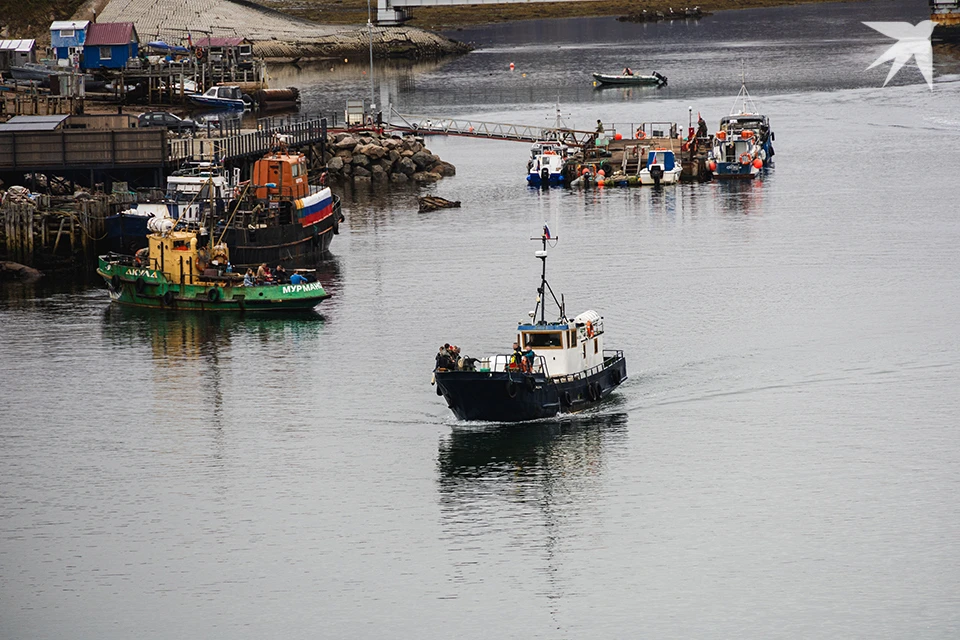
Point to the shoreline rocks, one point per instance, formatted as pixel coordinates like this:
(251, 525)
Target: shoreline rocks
(379, 158)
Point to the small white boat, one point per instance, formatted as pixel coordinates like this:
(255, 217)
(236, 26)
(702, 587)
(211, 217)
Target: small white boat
(655, 79)
(662, 168)
(545, 167)
(223, 97)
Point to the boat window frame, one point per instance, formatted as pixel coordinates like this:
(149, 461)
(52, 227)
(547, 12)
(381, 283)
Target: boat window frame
(556, 332)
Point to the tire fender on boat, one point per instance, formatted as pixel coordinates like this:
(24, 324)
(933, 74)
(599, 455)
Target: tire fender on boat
(615, 376)
(566, 398)
(140, 285)
(592, 391)
(213, 294)
(439, 393)
(531, 383)
(168, 298)
(115, 283)
(511, 389)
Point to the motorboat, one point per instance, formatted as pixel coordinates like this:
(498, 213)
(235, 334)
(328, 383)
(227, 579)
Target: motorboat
(743, 146)
(35, 72)
(661, 168)
(557, 366)
(546, 163)
(222, 97)
(630, 79)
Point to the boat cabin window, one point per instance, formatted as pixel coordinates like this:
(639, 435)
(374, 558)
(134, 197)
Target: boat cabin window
(596, 345)
(543, 340)
(572, 337)
(181, 245)
(295, 169)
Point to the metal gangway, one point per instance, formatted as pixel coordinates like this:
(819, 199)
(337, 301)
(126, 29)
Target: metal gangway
(421, 125)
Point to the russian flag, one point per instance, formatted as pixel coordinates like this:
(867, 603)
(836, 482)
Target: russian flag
(546, 232)
(315, 207)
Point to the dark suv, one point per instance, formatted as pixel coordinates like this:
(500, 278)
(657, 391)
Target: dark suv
(167, 120)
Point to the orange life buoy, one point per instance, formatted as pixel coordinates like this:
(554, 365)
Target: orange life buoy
(641, 134)
(745, 158)
(589, 329)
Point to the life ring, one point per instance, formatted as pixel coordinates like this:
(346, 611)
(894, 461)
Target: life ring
(745, 159)
(566, 399)
(140, 285)
(213, 294)
(115, 283)
(167, 298)
(531, 383)
(592, 392)
(589, 329)
(511, 389)
(199, 53)
(641, 134)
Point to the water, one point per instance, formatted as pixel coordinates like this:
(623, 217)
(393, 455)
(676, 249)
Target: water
(781, 463)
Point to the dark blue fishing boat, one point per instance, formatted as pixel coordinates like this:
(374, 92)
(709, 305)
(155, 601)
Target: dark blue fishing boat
(556, 367)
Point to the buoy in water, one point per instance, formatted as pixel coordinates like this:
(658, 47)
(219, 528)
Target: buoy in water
(511, 66)
(523, 75)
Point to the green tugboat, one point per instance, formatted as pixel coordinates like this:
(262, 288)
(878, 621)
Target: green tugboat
(178, 272)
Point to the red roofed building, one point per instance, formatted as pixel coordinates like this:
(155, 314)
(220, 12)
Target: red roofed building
(109, 45)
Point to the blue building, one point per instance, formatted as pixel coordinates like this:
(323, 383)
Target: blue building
(109, 45)
(67, 38)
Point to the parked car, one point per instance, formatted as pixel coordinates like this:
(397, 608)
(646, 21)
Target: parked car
(167, 120)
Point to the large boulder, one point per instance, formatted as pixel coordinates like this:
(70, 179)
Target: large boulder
(423, 160)
(360, 172)
(406, 166)
(399, 178)
(335, 164)
(345, 155)
(377, 172)
(373, 151)
(360, 160)
(425, 177)
(347, 142)
(444, 168)
(391, 143)
(406, 153)
(394, 155)
(386, 163)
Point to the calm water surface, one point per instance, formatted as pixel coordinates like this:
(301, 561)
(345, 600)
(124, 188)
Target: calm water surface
(783, 461)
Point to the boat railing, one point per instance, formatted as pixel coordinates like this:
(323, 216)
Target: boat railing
(505, 363)
(610, 357)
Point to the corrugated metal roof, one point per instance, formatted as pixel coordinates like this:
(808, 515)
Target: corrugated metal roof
(56, 25)
(108, 33)
(22, 46)
(33, 123)
(220, 42)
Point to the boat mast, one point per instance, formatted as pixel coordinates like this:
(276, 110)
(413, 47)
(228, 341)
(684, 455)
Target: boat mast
(544, 285)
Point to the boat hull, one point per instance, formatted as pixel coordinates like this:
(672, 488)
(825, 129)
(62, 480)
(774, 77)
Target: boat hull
(291, 245)
(148, 288)
(735, 171)
(501, 396)
(536, 180)
(626, 80)
(218, 103)
(669, 177)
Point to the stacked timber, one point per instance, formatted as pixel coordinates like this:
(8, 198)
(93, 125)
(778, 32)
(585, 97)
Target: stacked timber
(370, 156)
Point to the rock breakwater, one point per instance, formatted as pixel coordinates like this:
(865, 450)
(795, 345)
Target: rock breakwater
(383, 158)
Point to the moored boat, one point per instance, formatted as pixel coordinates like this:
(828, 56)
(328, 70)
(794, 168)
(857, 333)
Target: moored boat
(744, 144)
(223, 97)
(178, 271)
(622, 79)
(546, 164)
(661, 168)
(556, 367)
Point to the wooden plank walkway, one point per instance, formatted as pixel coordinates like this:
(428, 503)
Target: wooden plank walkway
(247, 145)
